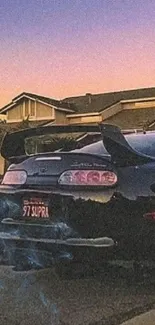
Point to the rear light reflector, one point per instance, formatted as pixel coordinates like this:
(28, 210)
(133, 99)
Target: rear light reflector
(88, 178)
(13, 177)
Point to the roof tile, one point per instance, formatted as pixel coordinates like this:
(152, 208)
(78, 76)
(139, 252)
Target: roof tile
(98, 102)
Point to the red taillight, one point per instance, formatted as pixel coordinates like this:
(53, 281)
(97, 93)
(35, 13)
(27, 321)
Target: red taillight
(88, 178)
(149, 216)
(13, 177)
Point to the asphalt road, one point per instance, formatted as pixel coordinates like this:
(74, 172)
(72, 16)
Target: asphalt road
(42, 297)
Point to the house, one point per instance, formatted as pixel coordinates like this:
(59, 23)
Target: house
(128, 109)
(132, 109)
(38, 109)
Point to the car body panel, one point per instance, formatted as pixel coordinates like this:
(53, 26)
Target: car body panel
(105, 222)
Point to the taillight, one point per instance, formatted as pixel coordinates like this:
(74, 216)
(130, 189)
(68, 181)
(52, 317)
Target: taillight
(149, 216)
(13, 177)
(88, 178)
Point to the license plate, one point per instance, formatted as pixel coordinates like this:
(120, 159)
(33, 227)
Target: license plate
(35, 208)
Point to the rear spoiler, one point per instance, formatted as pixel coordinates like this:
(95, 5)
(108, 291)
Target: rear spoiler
(121, 152)
(13, 145)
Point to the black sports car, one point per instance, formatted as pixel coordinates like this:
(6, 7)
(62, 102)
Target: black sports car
(91, 203)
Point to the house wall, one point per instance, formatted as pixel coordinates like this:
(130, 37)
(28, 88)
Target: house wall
(44, 111)
(15, 114)
(84, 119)
(3, 117)
(21, 111)
(41, 112)
(139, 104)
(133, 119)
(60, 117)
(114, 109)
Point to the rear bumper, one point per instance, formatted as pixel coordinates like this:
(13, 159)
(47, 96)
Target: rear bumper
(79, 226)
(42, 252)
(103, 242)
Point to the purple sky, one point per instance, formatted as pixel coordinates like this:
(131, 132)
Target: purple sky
(61, 48)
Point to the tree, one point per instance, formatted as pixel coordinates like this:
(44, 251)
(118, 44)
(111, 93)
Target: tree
(25, 124)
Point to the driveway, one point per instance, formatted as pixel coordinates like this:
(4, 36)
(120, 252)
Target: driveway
(42, 297)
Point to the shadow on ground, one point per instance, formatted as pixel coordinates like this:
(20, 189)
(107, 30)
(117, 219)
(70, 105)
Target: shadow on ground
(98, 298)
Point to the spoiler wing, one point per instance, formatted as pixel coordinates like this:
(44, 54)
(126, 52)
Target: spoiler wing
(13, 144)
(119, 149)
(121, 152)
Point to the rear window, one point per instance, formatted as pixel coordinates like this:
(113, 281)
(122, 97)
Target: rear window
(95, 148)
(86, 143)
(143, 143)
(59, 142)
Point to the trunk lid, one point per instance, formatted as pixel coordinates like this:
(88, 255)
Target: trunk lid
(56, 163)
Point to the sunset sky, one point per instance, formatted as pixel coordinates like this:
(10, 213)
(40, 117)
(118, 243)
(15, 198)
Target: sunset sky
(62, 48)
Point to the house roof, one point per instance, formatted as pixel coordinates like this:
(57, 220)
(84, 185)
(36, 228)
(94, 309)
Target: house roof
(99, 102)
(89, 103)
(47, 100)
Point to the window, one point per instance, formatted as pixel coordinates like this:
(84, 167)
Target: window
(29, 110)
(32, 108)
(144, 143)
(26, 108)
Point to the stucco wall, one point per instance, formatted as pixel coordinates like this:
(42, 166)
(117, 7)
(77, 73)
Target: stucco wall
(15, 113)
(3, 117)
(60, 117)
(21, 111)
(135, 118)
(85, 119)
(44, 111)
(139, 104)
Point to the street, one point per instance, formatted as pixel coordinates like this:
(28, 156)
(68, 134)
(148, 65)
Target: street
(42, 297)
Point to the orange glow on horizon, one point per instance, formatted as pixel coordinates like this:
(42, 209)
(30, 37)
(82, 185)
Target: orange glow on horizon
(119, 61)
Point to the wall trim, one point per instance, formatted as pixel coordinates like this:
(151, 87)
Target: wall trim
(83, 114)
(33, 119)
(145, 99)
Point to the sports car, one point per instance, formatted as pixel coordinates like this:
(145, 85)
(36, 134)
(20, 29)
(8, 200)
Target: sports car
(94, 202)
